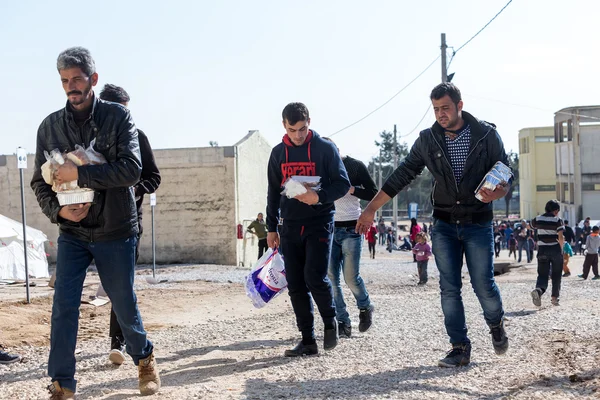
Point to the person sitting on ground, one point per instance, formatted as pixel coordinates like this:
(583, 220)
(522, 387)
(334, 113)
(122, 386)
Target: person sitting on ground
(406, 246)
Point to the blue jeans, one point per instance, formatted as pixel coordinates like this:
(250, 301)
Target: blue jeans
(115, 261)
(524, 245)
(476, 242)
(345, 256)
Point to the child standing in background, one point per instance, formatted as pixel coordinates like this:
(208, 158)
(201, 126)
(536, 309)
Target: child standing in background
(422, 252)
(567, 253)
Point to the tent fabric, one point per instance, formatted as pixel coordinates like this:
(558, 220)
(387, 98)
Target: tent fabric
(12, 259)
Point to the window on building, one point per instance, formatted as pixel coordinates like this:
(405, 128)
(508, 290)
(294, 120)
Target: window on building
(564, 131)
(544, 139)
(557, 133)
(546, 188)
(590, 187)
(572, 193)
(570, 130)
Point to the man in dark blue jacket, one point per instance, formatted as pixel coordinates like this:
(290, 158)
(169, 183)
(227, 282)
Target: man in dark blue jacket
(302, 227)
(458, 150)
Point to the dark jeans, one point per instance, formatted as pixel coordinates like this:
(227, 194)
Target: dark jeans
(262, 247)
(306, 250)
(115, 261)
(422, 268)
(524, 245)
(372, 249)
(476, 242)
(591, 260)
(550, 262)
(497, 247)
(114, 330)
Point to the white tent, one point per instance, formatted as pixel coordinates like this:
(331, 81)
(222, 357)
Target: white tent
(12, 259)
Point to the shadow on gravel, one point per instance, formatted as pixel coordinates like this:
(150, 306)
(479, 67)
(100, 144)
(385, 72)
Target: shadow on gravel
(411, 380)
(241, 346)
(182, 375)
(522, 313)
(34, 373)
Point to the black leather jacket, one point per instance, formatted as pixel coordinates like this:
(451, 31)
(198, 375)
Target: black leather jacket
(113, 214)
(452, 202)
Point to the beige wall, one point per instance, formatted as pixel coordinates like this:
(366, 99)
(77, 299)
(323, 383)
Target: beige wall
(536, 168)
(253, 153)
(196, 213)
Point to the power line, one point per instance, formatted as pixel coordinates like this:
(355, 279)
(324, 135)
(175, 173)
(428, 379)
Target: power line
(390, 99)
(481, 30)
(418, 123)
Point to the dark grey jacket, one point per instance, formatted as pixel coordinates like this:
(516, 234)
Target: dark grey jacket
(113, 214)
(452, 201)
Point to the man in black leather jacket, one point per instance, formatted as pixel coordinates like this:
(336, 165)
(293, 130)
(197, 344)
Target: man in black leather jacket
(458, 150)
(104, 231)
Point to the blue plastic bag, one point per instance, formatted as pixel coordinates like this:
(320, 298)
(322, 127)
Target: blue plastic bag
(267, 279)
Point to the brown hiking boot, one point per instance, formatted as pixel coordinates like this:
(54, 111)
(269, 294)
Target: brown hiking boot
(59, 393)
(148, 374)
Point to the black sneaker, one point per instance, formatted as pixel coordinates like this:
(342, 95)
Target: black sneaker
(566, 274)
(330, 338)
(302, 350)
(459, 356)
(499, 338)
(366, 319)
(344, 329)
(7, 358)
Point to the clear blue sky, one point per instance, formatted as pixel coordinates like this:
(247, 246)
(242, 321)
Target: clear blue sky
(202, 71)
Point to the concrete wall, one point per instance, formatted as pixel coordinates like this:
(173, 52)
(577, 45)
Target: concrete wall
(195, 214)
(10, 199)
(253, 153)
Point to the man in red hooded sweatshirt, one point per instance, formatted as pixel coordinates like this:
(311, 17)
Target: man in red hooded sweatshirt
(302, 227)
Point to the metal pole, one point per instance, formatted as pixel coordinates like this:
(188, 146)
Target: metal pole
(395, 200)
(153, 246)
(444, 47)
(24, 219)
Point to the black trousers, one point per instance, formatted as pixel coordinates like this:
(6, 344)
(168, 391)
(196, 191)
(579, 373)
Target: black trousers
(372, 248)
(550, 262)
(591, 260)
(306, 250)
(262, 247)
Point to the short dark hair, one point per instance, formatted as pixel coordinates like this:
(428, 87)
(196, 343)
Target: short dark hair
(294, 112)
(595, 229)
(76, 57)
(444, 89)
(114, 93)
(566, 222)
(552, 205)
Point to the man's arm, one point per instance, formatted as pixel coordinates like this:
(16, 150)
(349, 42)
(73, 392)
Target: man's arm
(369, 189)
(125, 171)
(496, 153)
(150, 177)
(274, 178)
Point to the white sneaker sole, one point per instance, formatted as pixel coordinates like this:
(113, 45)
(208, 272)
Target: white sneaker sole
(116, 357)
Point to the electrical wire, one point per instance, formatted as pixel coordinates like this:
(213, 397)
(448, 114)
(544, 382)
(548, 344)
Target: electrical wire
(418, 123)
(390, 99)
(481, 30)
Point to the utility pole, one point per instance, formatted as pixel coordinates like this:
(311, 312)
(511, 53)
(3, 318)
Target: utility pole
(444, 47)
(380, 182)
(395, 200)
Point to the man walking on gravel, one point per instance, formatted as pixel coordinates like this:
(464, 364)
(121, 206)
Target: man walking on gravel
(302, 226)
(458, 150)
(347, 248)
(104, 231)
